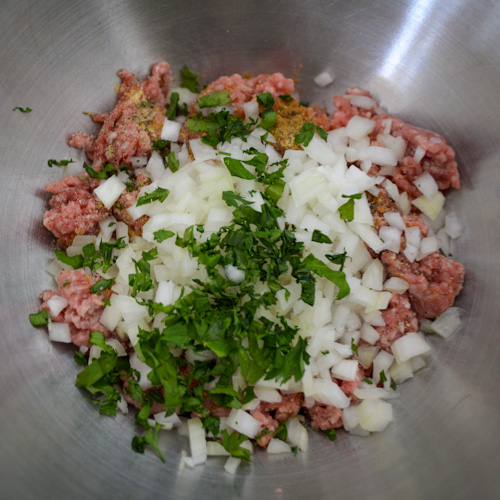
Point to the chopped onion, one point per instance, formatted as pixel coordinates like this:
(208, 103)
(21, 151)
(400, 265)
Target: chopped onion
(277, 446)
(243, 422)
(430, 206)
(234, 274)
(197, 441)
(59, 332)
(232, 464)
(267, 394)
(396, 285)
(56, 304)
(143, 370)
(109, 191)
(363, 101)
(374, 415)
(408, 346)
(214, 448)
(323, 79)
(170, 130)
(453, 226)
(426, 184)
(359, 127)
(297, 434)
(347, 369)
(448, 323)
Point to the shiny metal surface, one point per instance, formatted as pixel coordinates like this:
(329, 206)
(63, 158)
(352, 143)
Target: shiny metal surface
(437, 64)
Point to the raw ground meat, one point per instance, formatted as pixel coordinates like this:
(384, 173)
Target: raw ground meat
(84, 307)
(399, 319)
(434, 281)
(324, 417)
(136, 120)
(74, 209)
(345, 110)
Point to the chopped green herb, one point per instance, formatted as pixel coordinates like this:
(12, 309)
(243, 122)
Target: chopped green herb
(130, 187)
(330, 434)
(368, 381)
(237, 169)
(80, 358)
(215, 99)
(162, 235)
(23, 110)
(337, 277)
(281, 432)
(159, 194)
(383, 378)
(268, 120)
(346, 211)
(40, 319)
(65, 283)
(189, 80)
(160, 145)
(101, 285)
(268, 117)
(76, 262)
(173, 162)
(294, 450)
(306, 133)
(149, 439)
(354, 347)
(61, 163)
(146, 104)
(319, 237)
(394, 386)
(173, 106)
(107, 171)
(106, 302)
(286, 97)
(232, 444)
(338, 258)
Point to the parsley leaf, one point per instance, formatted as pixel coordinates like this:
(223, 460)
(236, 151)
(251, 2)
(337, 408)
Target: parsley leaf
(337, 277)
(281, 432)
(162, 235)
(368, 381)
(268, 120)
(338, 258)
(232, 444)
(346, 211)
(189, 80)
(173, 162)
(159, 194)
(383, 378)
(306, 134)
(330, 434)
(80, 358)
(286, 97)
(107, 171)
(149, 439)
(173, 106)
(237, 169)
(25, 110)
(215, 99)
(40, 319)
(62, 163)
(354, 347)
(268, 117)
(319, 237)
(101, 285)
(76, 262)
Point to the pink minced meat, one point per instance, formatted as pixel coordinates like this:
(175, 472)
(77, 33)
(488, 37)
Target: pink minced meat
(325, 417)
(439, 158)
(135, 122)
(434, 281)
(74, 209)
(346, 110)
(399, 319)
(242, 89)
(84, 307)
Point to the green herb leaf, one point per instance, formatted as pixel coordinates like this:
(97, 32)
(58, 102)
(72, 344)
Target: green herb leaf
(232, 444)
(76, 262)
(80, 358)
(159, 194)
(149, 439)
(354, 347)
(173, 162)
(107, 171)
(281, 432)
(337, 277)
(330, 434)
(215, 99)
(368, 381)
(189, 80)
(61, 163)
(101, 285)
(346, 211)
(23, 110)
(40, 319)
(268, 120)
(319, 237)
(286, 97)
(162, 235)
(306, 134)
(338, 258)
(266, 99)
(173, 106)
(394, 386)
(146, 104)
(237, 169)
(383, 378)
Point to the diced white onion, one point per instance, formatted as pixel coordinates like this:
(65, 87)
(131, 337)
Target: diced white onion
(276, 446)
(109, 191)
(453, 226)
(426, 184)
(234, 274)
(297, 434)
(170, 130)
(323, 79)
(347, 369)
(374, 415)
(359, 127)
(408, 346)
(267, 394)
(56, 304)
(430, 206)
(197, 441)
(396, 285)
(232, 464)
(448, 323)
(243, 422)
(59, 332)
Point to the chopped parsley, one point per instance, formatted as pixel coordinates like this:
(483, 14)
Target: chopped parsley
(368, 381)
(40, 319)
(172, 162)
(383, 378)
(108, 170)
(215, 99)
(306, 133)
(286, 97)
(338, 258)
(146, 104)
(61, 163)
(346, 211)
(330, 434)
(319, 237)
(268, 116)
(80, 358)
(149, 439)
(159, 194)
(101, 285)
(189, 80)
(75, 262)
(354, 347)
(162, 234)
(232, 444)
(23, 110)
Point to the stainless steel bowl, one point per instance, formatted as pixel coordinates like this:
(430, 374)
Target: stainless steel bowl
(436, 64)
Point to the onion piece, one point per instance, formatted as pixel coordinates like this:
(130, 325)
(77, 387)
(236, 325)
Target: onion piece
(448, 323)
(409, 346)
(323, 79)
(109, 191)
(197, 441)
(297, 434)
(59, 332)
(374, 415)
(243, 422)
(276, 446)
(232, 464)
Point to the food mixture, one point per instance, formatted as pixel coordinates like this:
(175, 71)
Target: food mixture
(239, 266)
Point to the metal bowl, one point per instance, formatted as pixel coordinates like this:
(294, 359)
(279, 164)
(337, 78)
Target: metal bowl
(435, 64)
